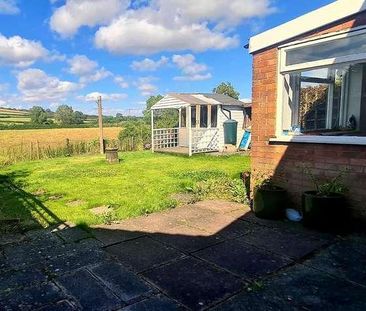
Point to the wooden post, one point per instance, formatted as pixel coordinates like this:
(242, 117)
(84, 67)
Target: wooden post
(100, 122)
(198, 116)
(209, 116)
(152, 131)
(189, 130)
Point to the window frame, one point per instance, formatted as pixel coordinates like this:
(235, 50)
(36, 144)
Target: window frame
(282, 70)
(324, 62)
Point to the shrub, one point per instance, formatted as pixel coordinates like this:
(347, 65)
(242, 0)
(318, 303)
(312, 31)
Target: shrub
(137, 131)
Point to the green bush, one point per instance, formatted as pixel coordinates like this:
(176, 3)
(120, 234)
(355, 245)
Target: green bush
(136, 131)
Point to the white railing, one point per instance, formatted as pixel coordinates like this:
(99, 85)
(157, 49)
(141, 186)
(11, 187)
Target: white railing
(205, 140)
(165, 138)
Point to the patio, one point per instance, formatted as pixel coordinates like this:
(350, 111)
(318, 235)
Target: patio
(209, 255)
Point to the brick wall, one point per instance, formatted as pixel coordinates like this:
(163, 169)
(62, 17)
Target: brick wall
(285, 161)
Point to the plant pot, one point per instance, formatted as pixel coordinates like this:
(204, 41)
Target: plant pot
(270, 203)
(324, 212)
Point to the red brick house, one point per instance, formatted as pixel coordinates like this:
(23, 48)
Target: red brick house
(309, 99)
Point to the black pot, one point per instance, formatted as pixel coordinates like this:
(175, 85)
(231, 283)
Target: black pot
(270, 203)
(324, 212)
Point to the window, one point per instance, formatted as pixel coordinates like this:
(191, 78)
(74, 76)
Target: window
(213, 116)
(183, 117)
(203, 116)
(324, 86)
(193, 116)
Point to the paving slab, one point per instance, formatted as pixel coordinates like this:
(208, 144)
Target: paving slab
(63, 305)
(123, 283)
(63, 264)
(243, 259)
(21, 278)
(31, 298)
(72, 234)
(187, 239)
(10, 238)
(143, 253)
(343, 259)
(286, 226)
(223, 207)
(310, 289)
(109, 235)
(194, 283)
(23, 255)
(287, 243)
(237, 229)
(43, 239)
(89, 293)
(155, 304)
(253, 301)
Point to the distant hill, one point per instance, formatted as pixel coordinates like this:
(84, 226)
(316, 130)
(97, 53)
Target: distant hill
(14, 116)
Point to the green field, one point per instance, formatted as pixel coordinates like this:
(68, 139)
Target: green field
(19, 117)
(10, 116)
(65, 189)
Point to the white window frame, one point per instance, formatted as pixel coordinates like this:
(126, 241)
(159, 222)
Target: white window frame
(283, 69)
(324, 62)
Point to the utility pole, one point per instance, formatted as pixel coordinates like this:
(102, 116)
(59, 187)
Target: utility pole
(100, 122)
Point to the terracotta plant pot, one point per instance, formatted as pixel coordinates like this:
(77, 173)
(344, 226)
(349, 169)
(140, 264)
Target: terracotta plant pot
(270, 203)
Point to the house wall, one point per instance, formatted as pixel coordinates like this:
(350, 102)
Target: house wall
(285, 161)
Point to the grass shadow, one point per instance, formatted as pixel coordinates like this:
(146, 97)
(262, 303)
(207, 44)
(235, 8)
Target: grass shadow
(20, 210)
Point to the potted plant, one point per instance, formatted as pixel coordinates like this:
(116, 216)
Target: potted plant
(326, 206)
(270, 200)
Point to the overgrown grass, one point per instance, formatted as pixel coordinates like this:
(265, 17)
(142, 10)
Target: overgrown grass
(67, 188)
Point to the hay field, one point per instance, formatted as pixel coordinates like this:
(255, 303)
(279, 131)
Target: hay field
(47, 137)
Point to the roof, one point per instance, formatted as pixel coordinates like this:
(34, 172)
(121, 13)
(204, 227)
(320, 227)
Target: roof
(321, 17)
(179, 100)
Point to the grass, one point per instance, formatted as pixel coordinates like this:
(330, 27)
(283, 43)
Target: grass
(65, 189)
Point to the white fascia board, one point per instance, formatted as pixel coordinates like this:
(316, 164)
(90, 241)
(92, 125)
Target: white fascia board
(321, 17)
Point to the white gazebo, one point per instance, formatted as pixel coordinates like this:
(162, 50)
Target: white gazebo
(200, 127)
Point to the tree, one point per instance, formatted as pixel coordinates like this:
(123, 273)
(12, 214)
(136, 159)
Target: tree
(65, 115)
(79, 117)
(151, 101)
(166, 118)
(38, 115)
(227, 89)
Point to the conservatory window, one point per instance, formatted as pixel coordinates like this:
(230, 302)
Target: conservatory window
(183, 117)
(214, 116)
(324, 87)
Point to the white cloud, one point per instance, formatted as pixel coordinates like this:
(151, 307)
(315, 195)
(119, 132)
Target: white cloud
(121, 82)
(191, 71)
(136, 36)
(221, 12)
(146, 87)
(20, 52)
(92, 97)
(9, 7)
(177, 25)
(87, 69)
(148, 64)
(35, 85)
(67, 19)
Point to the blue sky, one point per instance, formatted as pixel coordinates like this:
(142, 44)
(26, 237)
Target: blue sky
(56, 52)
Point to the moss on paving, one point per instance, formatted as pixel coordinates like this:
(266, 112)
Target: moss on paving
(141, 183)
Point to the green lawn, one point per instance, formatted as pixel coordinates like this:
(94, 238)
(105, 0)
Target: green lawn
(67, 188)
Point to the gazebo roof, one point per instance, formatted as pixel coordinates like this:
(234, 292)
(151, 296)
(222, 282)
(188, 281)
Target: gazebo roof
(179, 100)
